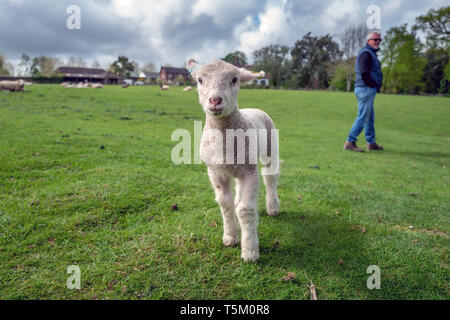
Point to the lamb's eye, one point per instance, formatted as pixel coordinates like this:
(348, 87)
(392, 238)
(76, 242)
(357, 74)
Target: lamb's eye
(200, 80)
(234, 81)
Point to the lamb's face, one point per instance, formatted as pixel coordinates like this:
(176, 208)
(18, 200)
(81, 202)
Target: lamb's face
(218, 87)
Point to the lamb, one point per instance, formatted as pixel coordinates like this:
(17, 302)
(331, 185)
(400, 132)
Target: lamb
(218, 87)
(18, 85)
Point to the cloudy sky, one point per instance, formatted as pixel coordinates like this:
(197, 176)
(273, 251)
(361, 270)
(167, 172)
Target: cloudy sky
(171, 31)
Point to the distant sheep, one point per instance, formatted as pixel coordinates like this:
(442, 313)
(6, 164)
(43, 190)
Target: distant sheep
(97, 86)
(218, 87)
(18, 85)
(189, 88)
(124, 85)
(165, 87)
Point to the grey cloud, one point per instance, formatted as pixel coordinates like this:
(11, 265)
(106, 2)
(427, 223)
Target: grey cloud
(38, 27)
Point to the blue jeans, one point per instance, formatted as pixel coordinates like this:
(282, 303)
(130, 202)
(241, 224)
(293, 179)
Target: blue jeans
(366, 115)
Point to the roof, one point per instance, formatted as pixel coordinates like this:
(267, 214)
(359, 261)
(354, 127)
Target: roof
(87, 72)
(151, 75)
(175, 70)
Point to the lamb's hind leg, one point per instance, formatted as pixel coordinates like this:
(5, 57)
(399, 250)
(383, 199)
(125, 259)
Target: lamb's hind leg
(224, 198)
(272, 201)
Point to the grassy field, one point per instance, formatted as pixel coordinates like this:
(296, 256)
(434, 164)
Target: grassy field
(86, 179)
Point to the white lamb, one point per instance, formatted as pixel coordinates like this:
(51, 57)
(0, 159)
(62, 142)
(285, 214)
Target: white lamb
(218, 87)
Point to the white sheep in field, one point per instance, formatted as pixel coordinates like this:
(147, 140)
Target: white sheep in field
(188, 88)
(165, 87)
(97, 86)
(18, 85)
(218, 87)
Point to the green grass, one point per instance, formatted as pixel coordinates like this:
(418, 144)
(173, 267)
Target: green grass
(66, 201)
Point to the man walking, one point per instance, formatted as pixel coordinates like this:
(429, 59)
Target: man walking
(369, 79)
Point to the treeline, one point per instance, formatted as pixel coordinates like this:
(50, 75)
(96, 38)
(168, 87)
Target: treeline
(322, 62)
(409, 64)
(46, 68)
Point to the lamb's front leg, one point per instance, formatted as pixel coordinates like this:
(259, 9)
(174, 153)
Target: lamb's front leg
(224, 198)
(248, 215)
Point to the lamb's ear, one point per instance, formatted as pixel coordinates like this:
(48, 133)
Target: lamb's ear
(250, 75)
(191, 66)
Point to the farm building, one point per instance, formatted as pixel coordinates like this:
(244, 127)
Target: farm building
(151, 76)
(170, 73)
(146, 77)
(75, 74)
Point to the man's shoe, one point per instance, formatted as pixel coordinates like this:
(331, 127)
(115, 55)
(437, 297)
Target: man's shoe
(374, 146)
(352, 147)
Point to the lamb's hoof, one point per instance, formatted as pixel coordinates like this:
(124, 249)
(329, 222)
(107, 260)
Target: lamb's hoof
(273, 213)
(230, 241)
(272, 207)
(250, 255)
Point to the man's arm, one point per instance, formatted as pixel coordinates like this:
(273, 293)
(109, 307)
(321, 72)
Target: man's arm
(365, 63)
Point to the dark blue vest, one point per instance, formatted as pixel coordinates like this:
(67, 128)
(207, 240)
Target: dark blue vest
(375, 71)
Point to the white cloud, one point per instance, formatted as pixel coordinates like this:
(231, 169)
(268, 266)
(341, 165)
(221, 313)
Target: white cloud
(173, 30)
(275, 26)
(222, 11)
(340, 11)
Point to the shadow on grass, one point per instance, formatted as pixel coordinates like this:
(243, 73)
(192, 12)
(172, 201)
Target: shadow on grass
(323, 249)
(431, 154)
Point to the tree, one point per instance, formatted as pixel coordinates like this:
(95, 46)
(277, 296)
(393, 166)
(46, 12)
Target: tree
(434, 72)
(6, 68)
(352, 40)
(25, 65)
(149, 67)
(45, 66)
(76, 62)
(447, 67)
(340, 78)
(436, 24)
(274, 61)
(237, 58)
(179, 80)
(96, 64)
(404, 64)
(122, 67)
(311, 59)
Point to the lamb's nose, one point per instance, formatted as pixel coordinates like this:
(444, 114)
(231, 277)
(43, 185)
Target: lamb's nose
(215, 101)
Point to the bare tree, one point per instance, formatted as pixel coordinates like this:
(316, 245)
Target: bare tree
(352, 40)
(24, 67)
(96, 64)
(149, 67)
(76, 62)
(6, 68)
